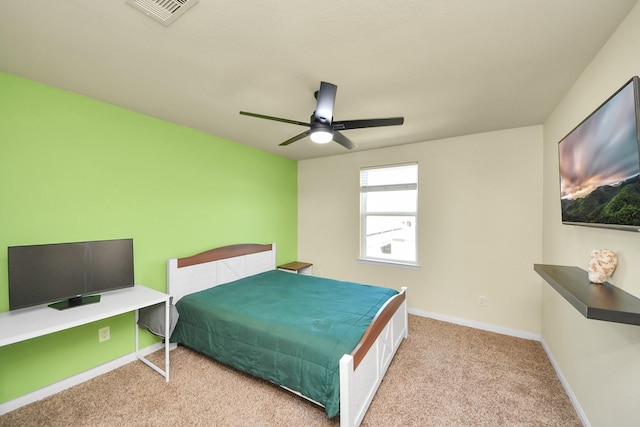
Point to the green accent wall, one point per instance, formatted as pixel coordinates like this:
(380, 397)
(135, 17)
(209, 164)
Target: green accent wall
(74, 169)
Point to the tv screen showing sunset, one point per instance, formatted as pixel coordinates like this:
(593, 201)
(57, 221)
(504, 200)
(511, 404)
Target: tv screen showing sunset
(599, 165)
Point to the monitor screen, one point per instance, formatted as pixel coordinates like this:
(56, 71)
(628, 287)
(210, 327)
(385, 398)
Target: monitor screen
(600, 166)
(40, 274)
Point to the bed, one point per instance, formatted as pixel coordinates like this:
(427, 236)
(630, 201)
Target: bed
(303, 333)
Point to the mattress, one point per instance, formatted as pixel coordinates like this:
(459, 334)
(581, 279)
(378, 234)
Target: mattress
(286, 328)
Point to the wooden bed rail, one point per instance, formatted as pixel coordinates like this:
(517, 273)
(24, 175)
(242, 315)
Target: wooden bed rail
(380, 320)
(223, 253)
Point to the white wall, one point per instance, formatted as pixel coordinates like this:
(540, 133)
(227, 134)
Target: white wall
(600, 360)
(479, 225)
(481, 230)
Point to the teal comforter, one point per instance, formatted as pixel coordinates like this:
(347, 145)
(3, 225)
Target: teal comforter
(286, 328)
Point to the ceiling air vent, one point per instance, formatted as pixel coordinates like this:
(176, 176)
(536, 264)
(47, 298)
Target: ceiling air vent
(163, 11)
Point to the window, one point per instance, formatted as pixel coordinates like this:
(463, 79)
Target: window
(388, 213)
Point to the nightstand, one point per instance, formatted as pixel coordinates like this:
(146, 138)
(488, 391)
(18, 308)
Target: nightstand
(297, 267)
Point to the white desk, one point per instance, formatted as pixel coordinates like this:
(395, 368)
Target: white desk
(26, 323)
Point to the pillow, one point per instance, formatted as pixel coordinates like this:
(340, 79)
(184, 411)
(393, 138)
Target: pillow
(152, 319)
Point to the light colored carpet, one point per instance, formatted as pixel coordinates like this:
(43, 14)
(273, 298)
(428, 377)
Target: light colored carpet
(443, 375)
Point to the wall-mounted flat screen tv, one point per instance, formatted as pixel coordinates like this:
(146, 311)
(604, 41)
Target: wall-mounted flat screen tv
(68, 274)
(600, 166)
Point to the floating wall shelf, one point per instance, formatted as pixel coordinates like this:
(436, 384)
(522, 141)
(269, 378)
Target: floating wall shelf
(595, 301)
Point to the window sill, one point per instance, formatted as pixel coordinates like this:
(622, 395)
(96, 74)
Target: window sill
(385, 263)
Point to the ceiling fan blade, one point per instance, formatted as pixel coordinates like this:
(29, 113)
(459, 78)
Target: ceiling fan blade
(326, 98)
(367, 123)
(277, 119)
(297, 137)
(343, 140)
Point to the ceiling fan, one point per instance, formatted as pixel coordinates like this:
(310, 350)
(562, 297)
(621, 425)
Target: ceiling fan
(322, 128)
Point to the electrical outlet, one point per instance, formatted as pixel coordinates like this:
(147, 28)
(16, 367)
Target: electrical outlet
(482, 301)
(104, 334)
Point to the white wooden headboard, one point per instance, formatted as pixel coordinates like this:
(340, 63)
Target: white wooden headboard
(217, 266)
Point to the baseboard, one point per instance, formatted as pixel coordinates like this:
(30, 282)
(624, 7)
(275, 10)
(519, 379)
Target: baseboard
(59, 386)
(477, 325)
(567, 387)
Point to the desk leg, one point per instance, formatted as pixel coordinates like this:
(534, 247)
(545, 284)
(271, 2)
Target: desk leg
(167, 338)
(135, 327)
(167, 323)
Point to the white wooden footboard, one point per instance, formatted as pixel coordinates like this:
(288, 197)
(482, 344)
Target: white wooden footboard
(361, 371)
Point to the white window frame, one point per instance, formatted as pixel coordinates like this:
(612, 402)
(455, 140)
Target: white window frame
(364, 190)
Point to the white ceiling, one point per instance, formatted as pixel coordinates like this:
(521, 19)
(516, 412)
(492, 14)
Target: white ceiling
(450, 67)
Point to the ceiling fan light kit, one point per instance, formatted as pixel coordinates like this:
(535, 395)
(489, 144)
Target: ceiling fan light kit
(321, 133)
(322, 128)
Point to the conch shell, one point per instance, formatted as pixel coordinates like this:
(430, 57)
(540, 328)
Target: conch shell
(602, 265)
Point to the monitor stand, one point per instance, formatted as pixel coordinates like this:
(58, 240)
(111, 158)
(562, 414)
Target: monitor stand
(75, 301)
